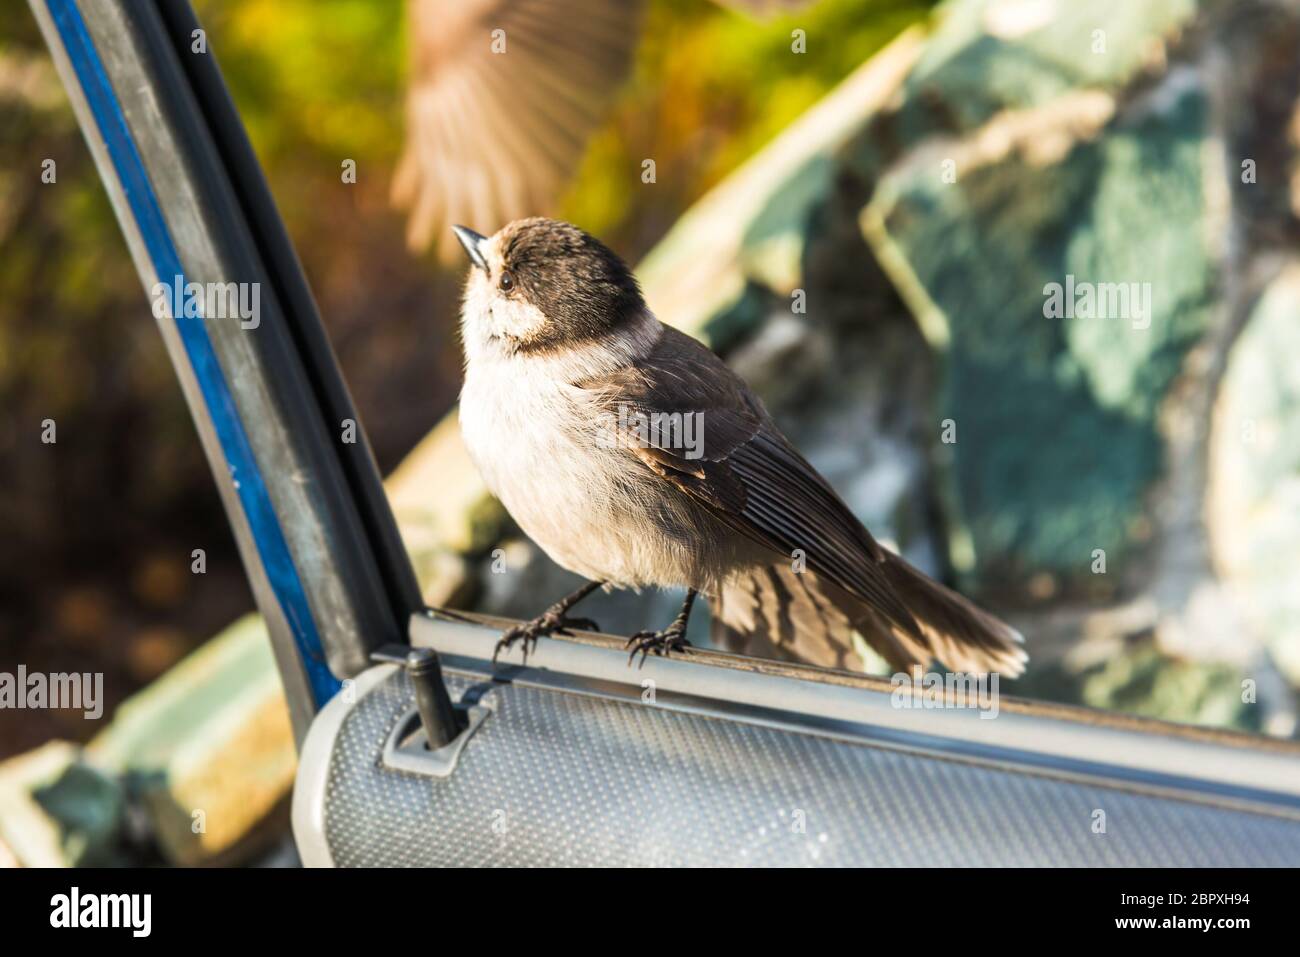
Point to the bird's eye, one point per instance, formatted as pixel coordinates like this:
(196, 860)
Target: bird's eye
(507, 282)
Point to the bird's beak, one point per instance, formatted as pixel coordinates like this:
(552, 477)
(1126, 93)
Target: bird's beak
(472, 242)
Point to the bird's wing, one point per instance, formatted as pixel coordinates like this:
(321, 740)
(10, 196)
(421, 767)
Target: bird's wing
(495, 136)
(748, 474)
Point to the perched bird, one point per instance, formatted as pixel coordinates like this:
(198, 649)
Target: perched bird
(502, 97)
(635, 457)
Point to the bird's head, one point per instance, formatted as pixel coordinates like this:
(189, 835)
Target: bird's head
(540, 286)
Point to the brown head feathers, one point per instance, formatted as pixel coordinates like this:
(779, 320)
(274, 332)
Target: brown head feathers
(577, 282)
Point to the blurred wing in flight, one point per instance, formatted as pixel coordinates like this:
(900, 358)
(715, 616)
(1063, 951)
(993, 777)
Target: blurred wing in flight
(503, 95)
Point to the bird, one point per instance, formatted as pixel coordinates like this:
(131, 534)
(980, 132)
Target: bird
(502, 97)
(633, 456)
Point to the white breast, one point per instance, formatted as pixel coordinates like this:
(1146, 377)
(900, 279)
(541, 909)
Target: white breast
(533, 442)
(592, 508)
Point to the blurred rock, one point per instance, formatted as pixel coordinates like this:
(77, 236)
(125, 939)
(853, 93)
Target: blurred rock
(206, 751)
(1254, 509)
(57, 811)
(1144, 681)
(1049, 176)
(987, 56)
(1039, 146)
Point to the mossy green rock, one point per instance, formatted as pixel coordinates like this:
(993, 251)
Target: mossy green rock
(1143, 681)
(992, 55)
(58, 811)
(1055, 417)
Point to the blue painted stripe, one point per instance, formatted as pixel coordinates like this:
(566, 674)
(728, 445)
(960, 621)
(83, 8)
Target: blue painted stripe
(222, 412)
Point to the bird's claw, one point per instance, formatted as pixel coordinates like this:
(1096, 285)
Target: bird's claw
(548, 623)
(660, 643)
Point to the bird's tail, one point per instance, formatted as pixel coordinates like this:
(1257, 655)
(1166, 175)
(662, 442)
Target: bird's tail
(777, 612)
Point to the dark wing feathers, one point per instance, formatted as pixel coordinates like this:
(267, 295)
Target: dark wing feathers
(749, 476)
(793, 505)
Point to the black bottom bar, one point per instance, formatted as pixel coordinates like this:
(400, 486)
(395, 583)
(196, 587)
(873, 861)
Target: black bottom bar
(276, 909)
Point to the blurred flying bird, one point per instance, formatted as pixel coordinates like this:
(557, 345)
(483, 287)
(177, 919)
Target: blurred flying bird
(635, 457)
(503, 95)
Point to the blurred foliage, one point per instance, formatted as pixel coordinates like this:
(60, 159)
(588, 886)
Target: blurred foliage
(709, 89)
(314, 81)
(98, 529)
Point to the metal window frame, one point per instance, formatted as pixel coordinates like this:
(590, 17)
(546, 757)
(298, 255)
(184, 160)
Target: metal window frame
(1230, 768)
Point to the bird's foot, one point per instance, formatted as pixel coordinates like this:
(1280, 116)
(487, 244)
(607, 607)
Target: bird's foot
(550, 622)
(661, 643)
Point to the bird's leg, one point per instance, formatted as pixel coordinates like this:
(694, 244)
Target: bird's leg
(672, 638)
(553, 621)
